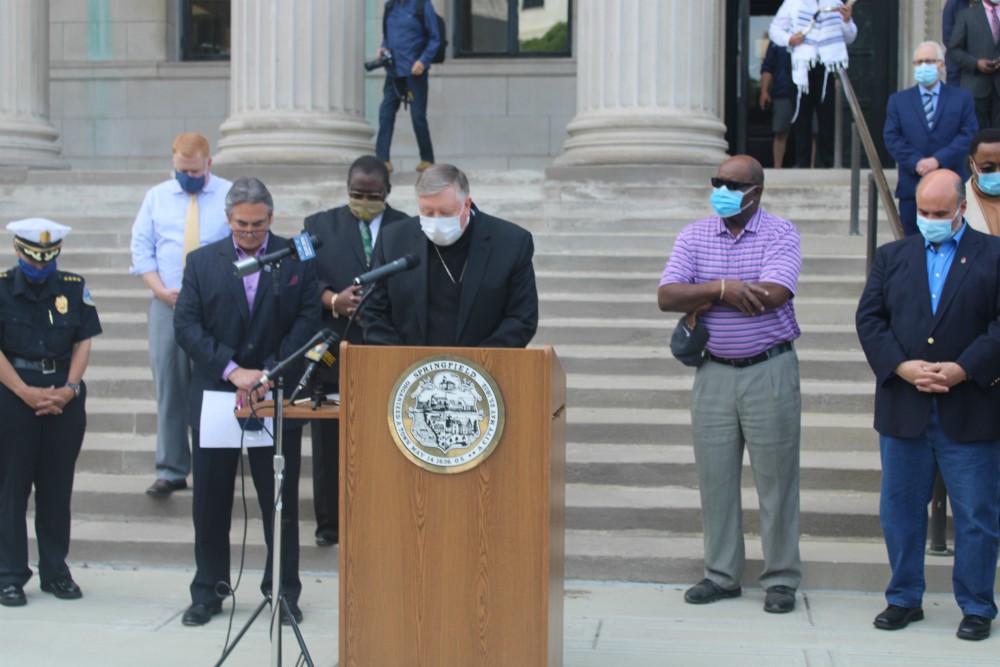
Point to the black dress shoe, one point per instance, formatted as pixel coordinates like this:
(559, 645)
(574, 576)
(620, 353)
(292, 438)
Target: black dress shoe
(779, 599)
(12, 595)
(974, 627)
(200, 614)
(896, 618)
(706, 591)
(63, 588)
(327, 538)
(296, 613)
(162, 488)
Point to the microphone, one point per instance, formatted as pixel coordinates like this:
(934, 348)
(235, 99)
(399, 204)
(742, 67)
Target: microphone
(404, 263)
(315, 355)
(301, 247)
(280, 368)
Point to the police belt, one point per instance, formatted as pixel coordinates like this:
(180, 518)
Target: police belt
(45, 366)
(750, 361)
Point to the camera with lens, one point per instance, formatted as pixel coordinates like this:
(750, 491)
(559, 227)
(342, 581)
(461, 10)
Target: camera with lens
(385, 60)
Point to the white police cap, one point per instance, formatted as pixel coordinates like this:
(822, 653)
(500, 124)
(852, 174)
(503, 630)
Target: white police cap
(40, 238)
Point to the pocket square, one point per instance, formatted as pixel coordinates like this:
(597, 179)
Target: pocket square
(294, 280)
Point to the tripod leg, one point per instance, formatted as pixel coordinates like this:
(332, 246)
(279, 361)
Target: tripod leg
(295, 629)
(243, 630)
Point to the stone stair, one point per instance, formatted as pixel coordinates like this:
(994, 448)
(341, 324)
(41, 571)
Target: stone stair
(632, 497)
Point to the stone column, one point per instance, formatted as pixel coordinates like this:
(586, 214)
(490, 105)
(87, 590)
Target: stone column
(27, 138)
(297, 91)
(649, 83)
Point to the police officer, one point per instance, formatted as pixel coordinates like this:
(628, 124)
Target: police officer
(47, 319)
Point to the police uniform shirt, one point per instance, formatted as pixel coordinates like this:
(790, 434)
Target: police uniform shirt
(44, 320)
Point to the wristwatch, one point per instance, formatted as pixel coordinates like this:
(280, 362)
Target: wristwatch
(75, 387)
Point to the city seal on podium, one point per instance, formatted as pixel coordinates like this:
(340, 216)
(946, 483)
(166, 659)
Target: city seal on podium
(446, 414)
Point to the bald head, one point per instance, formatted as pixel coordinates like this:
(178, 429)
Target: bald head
(941, 197)
(742, 168)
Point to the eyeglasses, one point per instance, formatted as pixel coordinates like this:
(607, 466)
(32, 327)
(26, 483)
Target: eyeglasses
(927, 61)
(367, 196)
(732, 185)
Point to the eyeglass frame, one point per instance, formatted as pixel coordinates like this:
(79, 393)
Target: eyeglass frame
(367, 196)
(731, 185)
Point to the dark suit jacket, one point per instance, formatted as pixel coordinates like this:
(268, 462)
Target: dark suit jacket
(909, 138)
(895, 324)
(339, 260)
(972, 39)
(499, 302)
(214, 325)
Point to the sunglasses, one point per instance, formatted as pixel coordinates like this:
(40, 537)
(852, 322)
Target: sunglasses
(732, 185)
(367, 196)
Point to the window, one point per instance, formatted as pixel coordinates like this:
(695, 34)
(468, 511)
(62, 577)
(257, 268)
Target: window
(518, 28)
(205, 26)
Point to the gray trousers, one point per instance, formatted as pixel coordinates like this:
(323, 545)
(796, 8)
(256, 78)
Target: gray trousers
(172, 380)
(760, 407)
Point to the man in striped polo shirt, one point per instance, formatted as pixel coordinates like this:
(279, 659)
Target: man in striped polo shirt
(737, 270)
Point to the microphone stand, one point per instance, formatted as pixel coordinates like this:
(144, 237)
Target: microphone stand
(277, 595)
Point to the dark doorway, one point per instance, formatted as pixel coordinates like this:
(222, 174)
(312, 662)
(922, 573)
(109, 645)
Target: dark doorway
(872, 69)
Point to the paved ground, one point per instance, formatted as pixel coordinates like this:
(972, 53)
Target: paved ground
(132, 617)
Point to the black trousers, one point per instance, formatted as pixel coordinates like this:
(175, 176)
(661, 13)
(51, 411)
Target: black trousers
(988, 111)
(214, 484)
(326, 471)
(37, 452)
(825, 110)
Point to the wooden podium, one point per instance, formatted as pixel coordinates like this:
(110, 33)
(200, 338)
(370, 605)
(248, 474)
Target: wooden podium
(462, 569)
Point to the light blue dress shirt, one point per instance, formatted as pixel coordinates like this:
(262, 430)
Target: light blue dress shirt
(158, 230)
(939, 263)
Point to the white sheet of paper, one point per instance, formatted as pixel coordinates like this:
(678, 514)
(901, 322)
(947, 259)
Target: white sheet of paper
(219, 428)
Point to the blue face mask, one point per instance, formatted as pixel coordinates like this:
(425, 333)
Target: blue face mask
(935, 231)
(190, 184)
(36, 275)
(926, 75)
(728, 203)
(988, 183)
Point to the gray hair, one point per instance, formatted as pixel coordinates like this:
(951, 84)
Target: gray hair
(248, 191)
(936, 45)
(439, 177)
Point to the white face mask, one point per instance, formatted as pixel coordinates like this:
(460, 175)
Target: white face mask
(442, 231)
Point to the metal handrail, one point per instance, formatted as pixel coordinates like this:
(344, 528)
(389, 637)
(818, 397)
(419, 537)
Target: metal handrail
(888, 203)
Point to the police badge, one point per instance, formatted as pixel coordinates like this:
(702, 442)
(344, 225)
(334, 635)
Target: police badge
(62, 304)
(446, 414)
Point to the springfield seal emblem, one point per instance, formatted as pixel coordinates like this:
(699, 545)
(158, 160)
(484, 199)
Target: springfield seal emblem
(446, 414)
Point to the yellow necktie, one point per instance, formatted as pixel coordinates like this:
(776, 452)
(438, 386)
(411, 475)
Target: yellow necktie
(192, 232)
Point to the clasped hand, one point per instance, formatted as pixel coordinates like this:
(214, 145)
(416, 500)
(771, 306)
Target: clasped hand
(245, 379)
(47, 400)
(744, 297)
(932, 377)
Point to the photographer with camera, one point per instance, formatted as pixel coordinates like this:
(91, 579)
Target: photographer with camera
(410, 41)
(974, 47)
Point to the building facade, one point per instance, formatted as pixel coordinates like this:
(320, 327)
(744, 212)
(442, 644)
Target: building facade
(106, 84)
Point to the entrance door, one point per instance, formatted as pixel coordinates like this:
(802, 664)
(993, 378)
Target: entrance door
(872, 69)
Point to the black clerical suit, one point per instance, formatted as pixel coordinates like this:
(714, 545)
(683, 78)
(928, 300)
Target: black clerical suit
(495, 302)
(214, 325)
(339, 259)
(38, 322)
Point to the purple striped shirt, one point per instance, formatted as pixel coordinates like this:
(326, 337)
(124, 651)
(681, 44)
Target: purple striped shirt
(768, 250)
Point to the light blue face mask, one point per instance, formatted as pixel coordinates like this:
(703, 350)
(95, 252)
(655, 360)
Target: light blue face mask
(728, 203)
(935, 231)
(926, 75)
(989, 182)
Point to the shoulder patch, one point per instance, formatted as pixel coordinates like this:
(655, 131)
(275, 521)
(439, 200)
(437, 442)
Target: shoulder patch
(87, 299)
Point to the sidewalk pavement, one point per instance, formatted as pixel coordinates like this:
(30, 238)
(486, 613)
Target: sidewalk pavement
(133, 617)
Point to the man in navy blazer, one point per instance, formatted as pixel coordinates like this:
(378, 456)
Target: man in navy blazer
(227, 326)
(927, 127)
(475, 284)
(929, 324)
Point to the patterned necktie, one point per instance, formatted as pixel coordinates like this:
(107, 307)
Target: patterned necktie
(192, 231)
(995, 24)
(929, 108)
(366, 238)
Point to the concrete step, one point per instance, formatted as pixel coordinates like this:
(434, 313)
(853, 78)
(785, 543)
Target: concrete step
(674, 393)
(826, 431)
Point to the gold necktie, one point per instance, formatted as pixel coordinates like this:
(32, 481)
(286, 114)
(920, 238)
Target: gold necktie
(192, 232)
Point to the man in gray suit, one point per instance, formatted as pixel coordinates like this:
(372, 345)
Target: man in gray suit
(975, 46)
